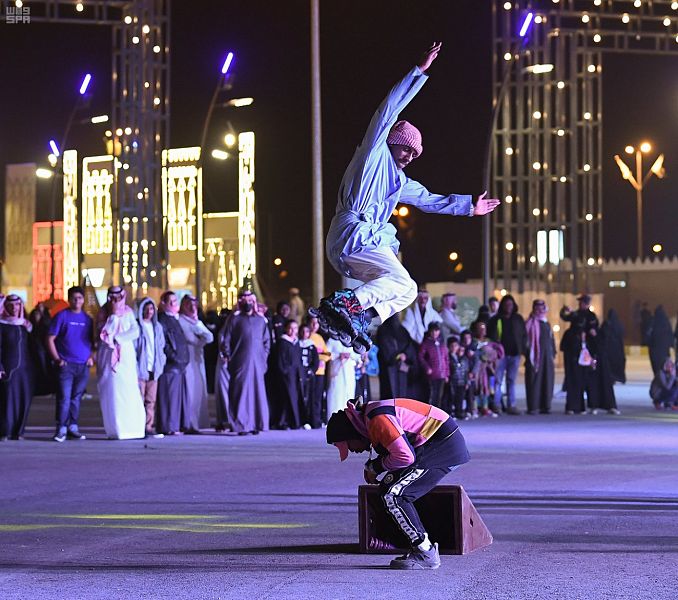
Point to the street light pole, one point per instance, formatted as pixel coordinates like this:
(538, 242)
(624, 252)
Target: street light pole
(223, 78)
(638, 182)
(318, 250)
(639, 202)
(58, 153)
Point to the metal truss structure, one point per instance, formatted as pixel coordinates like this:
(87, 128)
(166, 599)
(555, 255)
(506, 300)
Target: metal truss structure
(547, 143)
(139, 123)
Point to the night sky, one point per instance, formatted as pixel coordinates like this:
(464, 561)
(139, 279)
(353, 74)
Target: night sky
(365, 47)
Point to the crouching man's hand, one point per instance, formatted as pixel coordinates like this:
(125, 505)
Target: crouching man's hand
(370, 476)
(369, 473)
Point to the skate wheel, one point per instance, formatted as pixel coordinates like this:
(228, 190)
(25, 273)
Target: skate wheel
(345, 338)
(358, 347)
(314, 312)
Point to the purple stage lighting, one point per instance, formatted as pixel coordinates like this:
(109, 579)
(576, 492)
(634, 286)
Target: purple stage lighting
(54, 147)
(85, 84)
(526, 24)
(227, 63)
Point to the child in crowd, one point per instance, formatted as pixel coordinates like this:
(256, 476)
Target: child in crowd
(488, 355)
(289, 368)
(435, 363)
(362, 381)
(460, 392)
(310, 361)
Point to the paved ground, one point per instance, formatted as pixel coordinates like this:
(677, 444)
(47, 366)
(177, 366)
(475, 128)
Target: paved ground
(581, 507)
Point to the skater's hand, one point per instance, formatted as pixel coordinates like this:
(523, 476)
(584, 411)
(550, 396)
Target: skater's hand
(370, 476)
(592, 332)
(90, 362)
(484, 205)
(429, 56)
(429, 371)
(401, 357)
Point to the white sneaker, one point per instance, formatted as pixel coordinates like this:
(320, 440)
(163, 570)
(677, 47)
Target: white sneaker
(307, 426)
(614, 411)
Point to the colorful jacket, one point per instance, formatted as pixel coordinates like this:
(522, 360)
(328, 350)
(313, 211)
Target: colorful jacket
(460, 369)
(398, 426)
(433, 355)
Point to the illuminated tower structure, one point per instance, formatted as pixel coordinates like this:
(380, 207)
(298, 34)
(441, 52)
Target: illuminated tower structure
(547, 144)
(139, 131)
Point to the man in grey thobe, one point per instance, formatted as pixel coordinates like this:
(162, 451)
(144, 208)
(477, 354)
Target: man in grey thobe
(244, 345)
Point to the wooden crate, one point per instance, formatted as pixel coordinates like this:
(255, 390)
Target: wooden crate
(446, 512)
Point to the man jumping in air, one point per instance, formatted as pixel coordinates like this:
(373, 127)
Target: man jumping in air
(361, 243)
(417, 445)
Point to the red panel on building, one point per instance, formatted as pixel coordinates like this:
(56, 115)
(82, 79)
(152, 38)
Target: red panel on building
(42, 261)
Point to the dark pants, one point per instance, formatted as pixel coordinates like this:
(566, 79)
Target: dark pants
(435, 392)
(508, 366)
(316, 385)
(458, 394)
(581, 380)
(172, 412)
(668, 398)
(15, 401)
(72, 384)
(362, 388)
(400, 489)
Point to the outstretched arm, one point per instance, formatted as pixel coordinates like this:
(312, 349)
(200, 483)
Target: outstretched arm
(429, 56)
(415, 194)
(397, 99)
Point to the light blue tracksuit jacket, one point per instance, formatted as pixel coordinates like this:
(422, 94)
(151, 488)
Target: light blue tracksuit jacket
(373, 185)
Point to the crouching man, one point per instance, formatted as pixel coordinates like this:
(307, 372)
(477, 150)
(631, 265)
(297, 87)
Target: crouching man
(417, 445)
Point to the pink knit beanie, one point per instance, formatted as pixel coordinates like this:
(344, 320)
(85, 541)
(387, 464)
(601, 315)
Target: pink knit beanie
(406, 134)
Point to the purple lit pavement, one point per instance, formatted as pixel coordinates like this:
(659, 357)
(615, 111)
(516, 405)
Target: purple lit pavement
(581, 507)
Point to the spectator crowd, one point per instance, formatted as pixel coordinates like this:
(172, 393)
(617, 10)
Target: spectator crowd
(157, 365)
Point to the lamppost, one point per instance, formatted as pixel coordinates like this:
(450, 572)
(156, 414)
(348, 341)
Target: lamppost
(638, 182)
(224, 82)
(55, 158)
